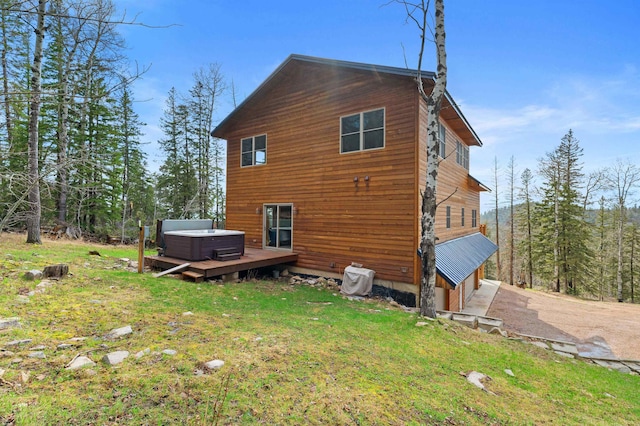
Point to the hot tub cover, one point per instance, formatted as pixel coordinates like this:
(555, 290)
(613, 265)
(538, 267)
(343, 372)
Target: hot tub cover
(459, 258)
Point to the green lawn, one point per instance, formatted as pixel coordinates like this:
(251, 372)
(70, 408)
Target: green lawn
(293, 355)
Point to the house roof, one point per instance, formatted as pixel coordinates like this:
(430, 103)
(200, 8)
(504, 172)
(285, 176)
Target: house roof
(457, 259)
(450, 111)
(475, 183)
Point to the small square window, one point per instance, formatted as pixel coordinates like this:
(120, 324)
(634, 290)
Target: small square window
(362, 131)
(254, 151)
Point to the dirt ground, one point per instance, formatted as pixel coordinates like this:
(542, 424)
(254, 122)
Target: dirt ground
(593, 326)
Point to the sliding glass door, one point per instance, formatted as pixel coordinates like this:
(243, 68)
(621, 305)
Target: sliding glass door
(278, 226)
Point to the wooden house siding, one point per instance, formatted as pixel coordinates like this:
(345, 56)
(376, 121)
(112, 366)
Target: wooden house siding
(337, 221)
(362, 206)
(453, 188)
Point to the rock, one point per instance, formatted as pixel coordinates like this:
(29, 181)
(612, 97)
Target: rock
(25, 376)
(564, 354)
(470, 321)
(64, 346)
(37, 354)
(33, 274)
(284, 273)
(142, 353)
(497, 330)
(22, 298)
(11, 322)
(38, 348)
(569, 348)
(186, 314)
(169, 352)
(18, 342)
(486, 323)
(5, 353)
(115, 358)
(2, 371)
(614, 365)
(421, 323)
(78, 339)
(16, 360)
(477, 379)
(508, 372)
(80, 362)
(119, 332)
(542, 345)
(216, 364)
(445, 315)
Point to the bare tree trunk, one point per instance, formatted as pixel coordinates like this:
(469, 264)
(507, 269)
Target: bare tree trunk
(497, 198)
(5, 81)
(434, 103)
(33, 219)
(623, 178)
(620, 241)
(634, 235)
(512, 177)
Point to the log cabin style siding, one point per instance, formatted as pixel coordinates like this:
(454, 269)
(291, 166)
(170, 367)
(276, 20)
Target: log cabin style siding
(361, 206)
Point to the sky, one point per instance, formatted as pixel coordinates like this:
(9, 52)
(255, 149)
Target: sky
(522, 72)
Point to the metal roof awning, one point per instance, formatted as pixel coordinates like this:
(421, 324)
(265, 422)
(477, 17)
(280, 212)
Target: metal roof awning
(459, 258)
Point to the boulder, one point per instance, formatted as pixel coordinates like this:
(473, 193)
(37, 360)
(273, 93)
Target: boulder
(80, 362)
(216, 364)
(11, 322)
(115, 358)
(119, 332)
(33, 274)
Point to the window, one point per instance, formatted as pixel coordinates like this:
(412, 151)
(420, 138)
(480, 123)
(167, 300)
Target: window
(474, 218)
(442, 138)
(254, 151)
(448, 217)
(462, 154)
(462, 217)
(362, 131)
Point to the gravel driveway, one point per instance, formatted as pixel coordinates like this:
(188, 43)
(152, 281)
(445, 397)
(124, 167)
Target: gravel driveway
(601, 328)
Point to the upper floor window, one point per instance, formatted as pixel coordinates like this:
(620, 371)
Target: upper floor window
(474, 218)
(448, 217)
(462, 217)
(362, 131)
(442, 140)
(254, 151)
(462, 155)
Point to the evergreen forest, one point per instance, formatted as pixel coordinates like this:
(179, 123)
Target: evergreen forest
(71, 156)
(566, 230)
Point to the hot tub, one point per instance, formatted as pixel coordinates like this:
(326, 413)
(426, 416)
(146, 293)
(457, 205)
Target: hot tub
(204, 244)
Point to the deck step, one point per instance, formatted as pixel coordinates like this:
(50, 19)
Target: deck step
(228, 256)
(195, 276)
(226, 253)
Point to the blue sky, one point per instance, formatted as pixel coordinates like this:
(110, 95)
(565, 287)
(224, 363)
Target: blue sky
(523, 72)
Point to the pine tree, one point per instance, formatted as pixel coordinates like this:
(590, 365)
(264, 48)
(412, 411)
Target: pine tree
(561, 218)
(525, 220)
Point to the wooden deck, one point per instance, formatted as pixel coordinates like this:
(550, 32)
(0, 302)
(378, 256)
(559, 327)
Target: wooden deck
(252, 259)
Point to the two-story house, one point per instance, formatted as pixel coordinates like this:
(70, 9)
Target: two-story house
(327, 159)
